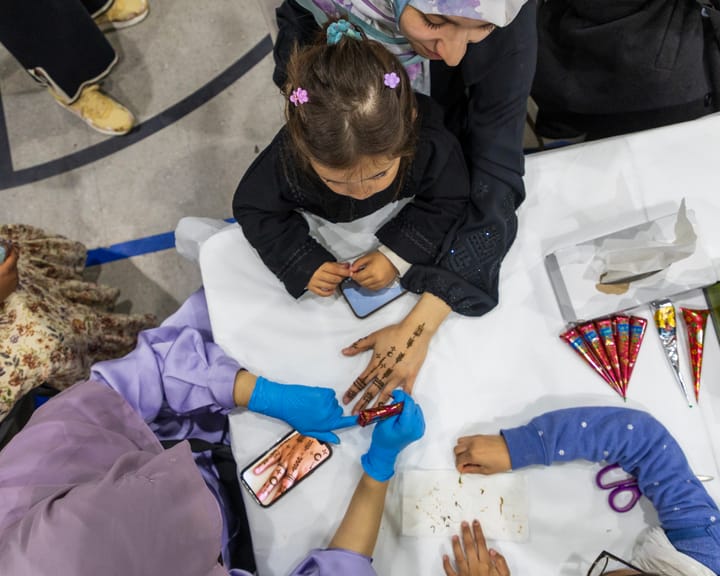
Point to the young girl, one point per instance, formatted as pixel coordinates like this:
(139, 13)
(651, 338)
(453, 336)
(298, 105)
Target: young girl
(357, 139)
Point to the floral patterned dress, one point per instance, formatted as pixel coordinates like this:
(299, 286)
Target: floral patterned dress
(56, 325)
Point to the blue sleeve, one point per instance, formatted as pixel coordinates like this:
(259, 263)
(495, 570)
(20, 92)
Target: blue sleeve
(642, 447)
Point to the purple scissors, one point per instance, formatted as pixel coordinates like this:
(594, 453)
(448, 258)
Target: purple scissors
(624, 493)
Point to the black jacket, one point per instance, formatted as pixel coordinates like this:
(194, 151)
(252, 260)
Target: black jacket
(484, 102)
(612, 67)
(274, 190)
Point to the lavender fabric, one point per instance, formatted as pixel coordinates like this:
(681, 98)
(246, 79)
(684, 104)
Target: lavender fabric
(87, 489)
(333, 562)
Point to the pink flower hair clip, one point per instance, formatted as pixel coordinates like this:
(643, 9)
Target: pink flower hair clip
(391, 80)
(299, 96)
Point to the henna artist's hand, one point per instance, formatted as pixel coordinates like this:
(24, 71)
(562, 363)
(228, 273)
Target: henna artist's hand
(475, 559)
(482, 454)
(373, 271)
(292, 461)
(327, 277)
(398, 353)
(8, 272)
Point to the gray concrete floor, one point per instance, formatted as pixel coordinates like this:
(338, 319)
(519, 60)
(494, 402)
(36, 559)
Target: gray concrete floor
(190, 167)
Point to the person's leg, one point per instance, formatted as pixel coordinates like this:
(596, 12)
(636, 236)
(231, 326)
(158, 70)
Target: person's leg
(61, 47)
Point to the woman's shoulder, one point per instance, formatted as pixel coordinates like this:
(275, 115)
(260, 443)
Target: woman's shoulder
(430, 113)
(435, 143)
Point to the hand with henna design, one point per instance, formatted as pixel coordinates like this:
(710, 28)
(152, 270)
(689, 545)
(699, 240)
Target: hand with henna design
(390, 344)
(292, 460)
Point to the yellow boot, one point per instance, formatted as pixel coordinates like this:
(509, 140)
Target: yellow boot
(99, 111)
(123, 13)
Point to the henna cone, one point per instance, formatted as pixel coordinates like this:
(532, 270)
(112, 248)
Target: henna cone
(695, 321)
(605, 330)
(575, 339)
(371, 415)
(592, 338)
(621, 329)
(637, 333)
(664, 315)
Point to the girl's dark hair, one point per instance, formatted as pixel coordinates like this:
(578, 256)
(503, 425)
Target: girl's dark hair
(350, 111)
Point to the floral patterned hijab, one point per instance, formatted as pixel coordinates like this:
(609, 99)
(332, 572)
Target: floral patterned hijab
(498, 12)
(379, 20)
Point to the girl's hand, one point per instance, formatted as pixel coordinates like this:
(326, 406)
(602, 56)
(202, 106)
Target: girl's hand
(373, 271)
(9, 272)
(327, 277)
(482, 454)
(475, 559)
(398, 353)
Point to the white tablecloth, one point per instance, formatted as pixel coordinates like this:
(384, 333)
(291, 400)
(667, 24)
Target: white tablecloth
(485, 373)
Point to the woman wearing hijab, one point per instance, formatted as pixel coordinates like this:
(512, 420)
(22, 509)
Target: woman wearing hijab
(477, 60)
(87, 487)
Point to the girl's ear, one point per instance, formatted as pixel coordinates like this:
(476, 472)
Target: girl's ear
(414, 114)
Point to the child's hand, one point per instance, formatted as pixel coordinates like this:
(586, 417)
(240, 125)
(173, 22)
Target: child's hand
(482, 454)
(373, 271)
(475, 559)
(393, 364)
(327, 278)
(9, 273)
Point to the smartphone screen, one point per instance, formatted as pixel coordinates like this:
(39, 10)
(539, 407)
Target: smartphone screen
(364, 302)
(287, 463)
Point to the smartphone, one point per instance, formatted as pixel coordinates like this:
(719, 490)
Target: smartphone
(363, 301)
(283, 466)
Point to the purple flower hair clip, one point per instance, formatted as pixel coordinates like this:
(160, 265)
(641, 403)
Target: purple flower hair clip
(391, 80)
(299, 96)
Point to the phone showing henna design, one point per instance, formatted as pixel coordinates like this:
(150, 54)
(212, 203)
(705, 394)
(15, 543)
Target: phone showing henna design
(283, 466)
(363, 301)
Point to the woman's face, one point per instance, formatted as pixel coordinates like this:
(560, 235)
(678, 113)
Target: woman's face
(372, 174)
(439, 37)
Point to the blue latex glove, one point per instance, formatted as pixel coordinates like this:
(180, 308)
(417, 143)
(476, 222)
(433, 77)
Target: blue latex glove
(391, 436)
(311, 410)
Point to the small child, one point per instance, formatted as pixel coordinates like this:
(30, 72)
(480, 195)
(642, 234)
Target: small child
(689, 541)
(356, 139)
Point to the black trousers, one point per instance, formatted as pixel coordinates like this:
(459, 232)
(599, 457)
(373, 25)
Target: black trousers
(57, 41)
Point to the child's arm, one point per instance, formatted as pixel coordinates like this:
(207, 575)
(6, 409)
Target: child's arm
(630, 438)
(264, 207)
(454, 235)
